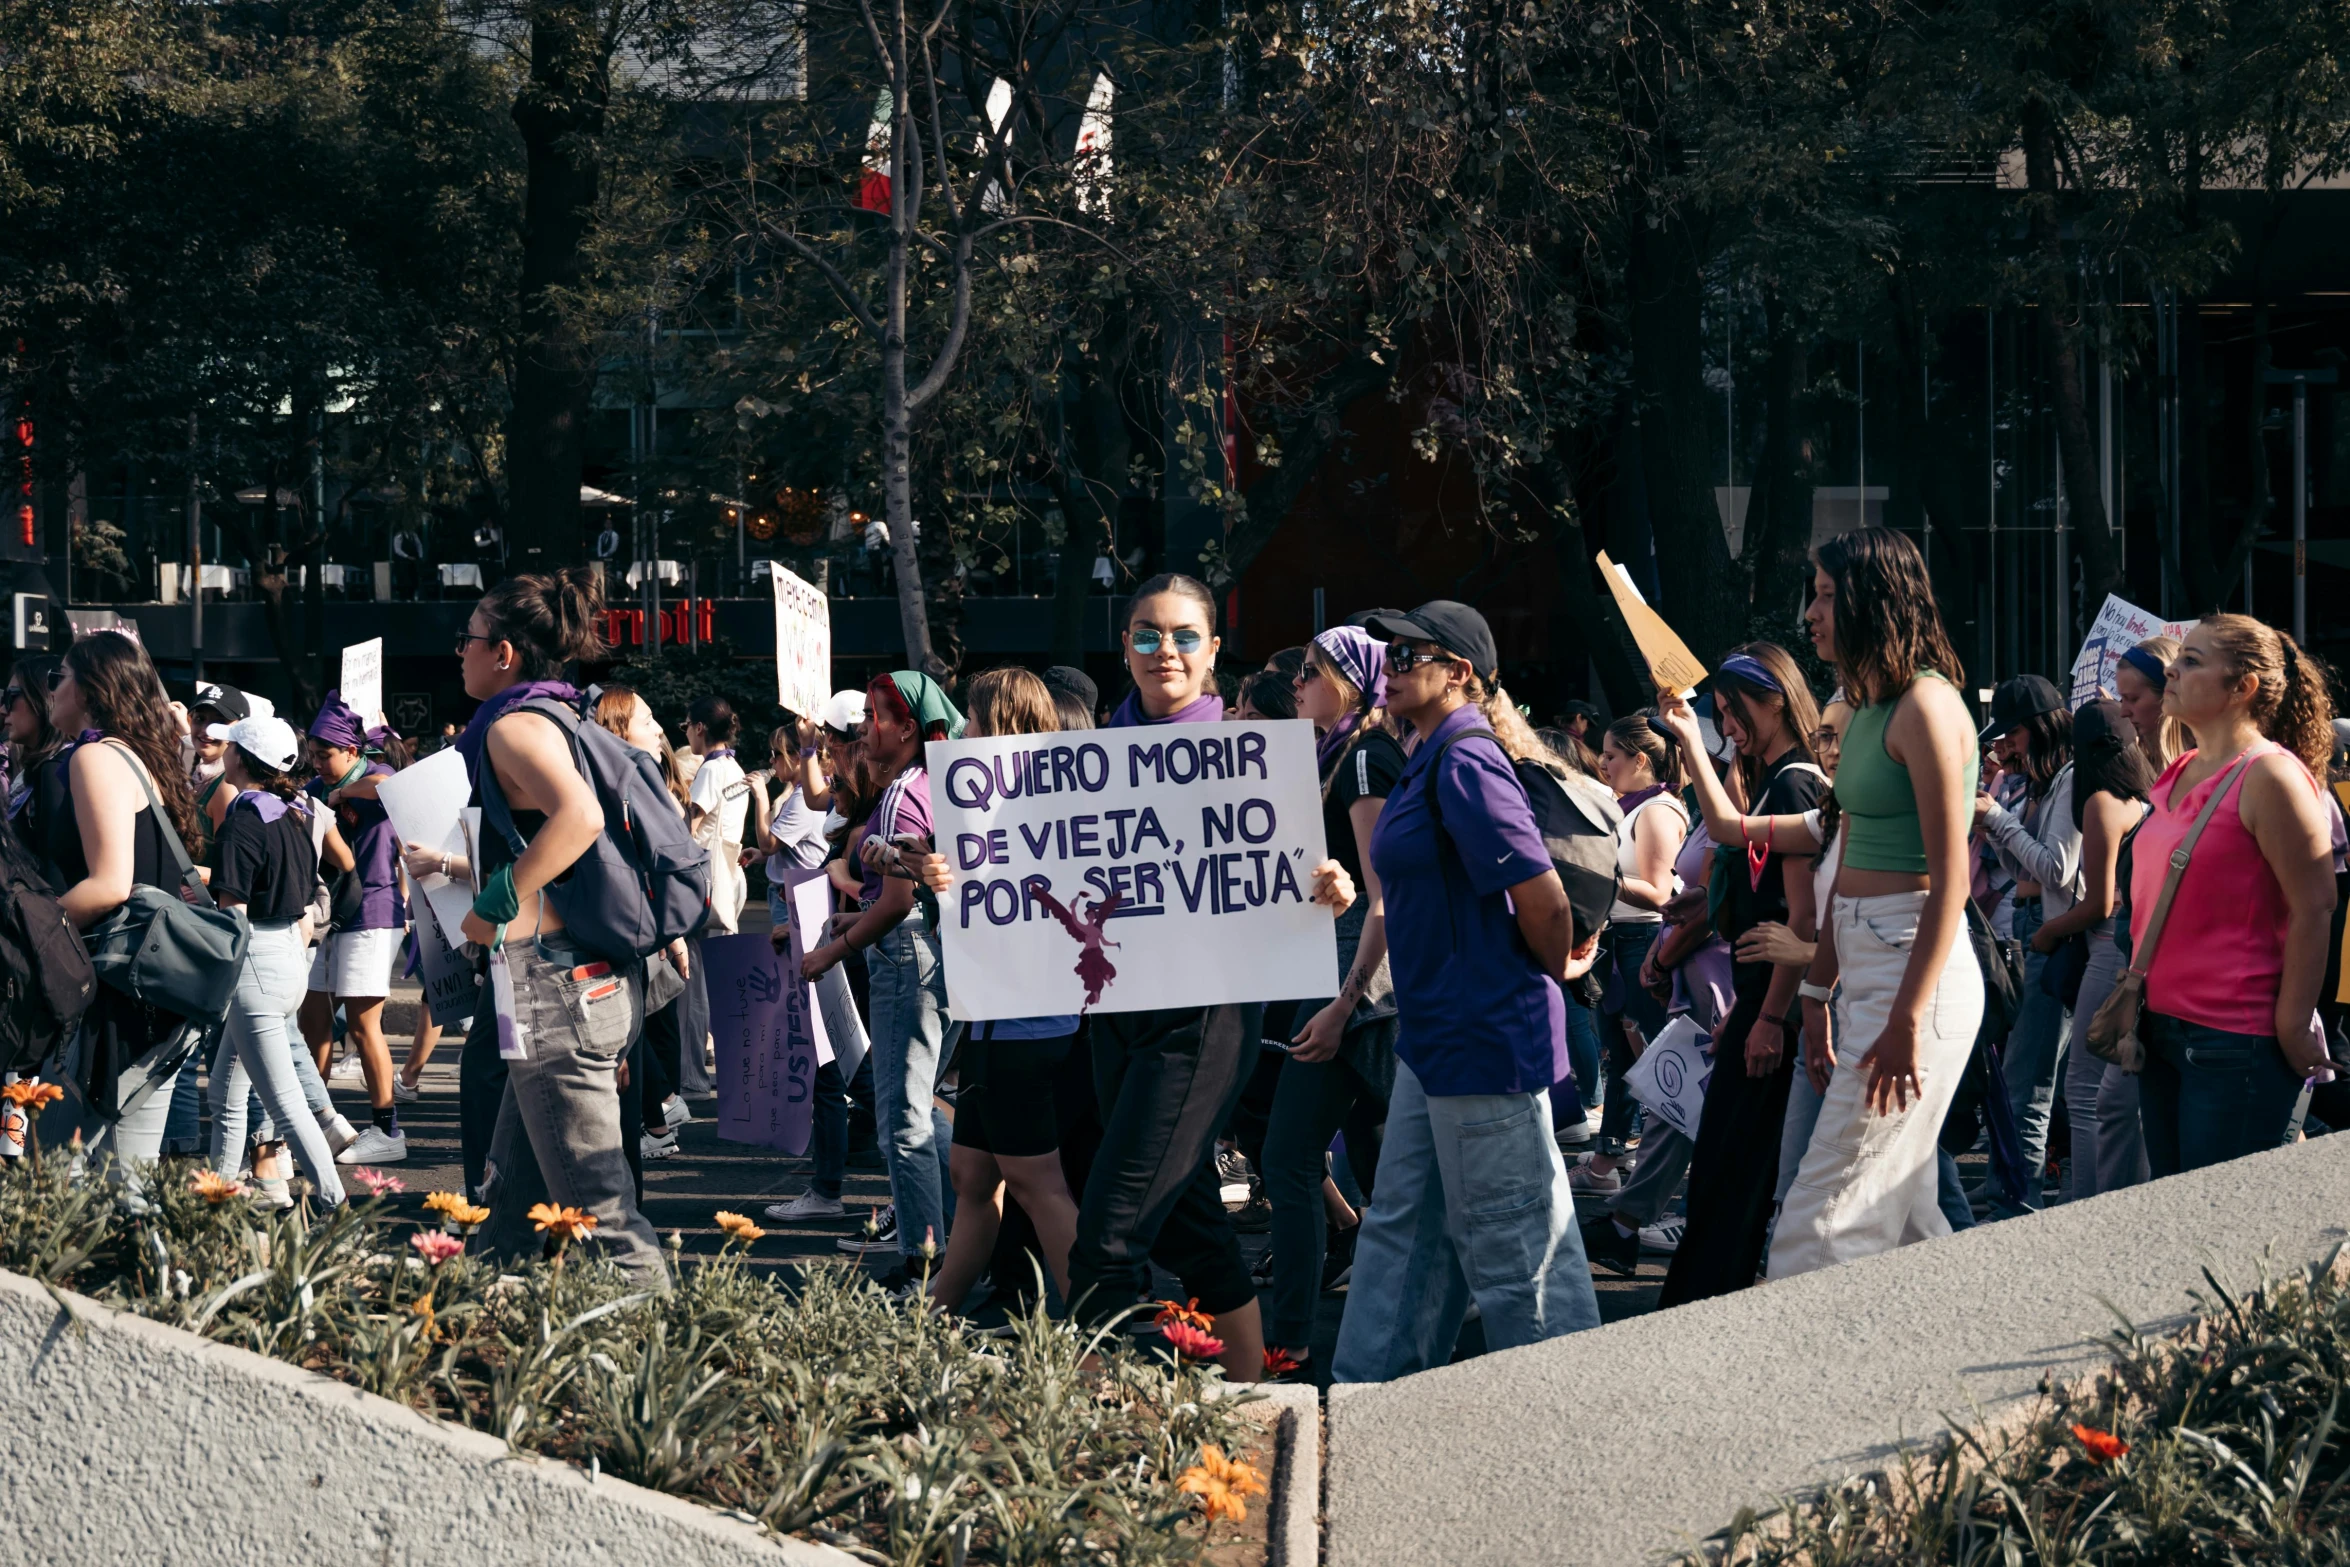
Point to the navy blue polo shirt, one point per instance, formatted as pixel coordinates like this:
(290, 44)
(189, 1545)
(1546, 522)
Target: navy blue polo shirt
(1477, 1014)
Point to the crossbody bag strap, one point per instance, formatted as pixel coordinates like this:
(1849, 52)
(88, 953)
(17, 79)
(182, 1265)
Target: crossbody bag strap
(179, 851)
(2179, 856)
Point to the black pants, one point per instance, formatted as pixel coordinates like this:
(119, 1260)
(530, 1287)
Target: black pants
(1735, 1168)
(481, 1088)
(1080, 1121)
(1166, 1082)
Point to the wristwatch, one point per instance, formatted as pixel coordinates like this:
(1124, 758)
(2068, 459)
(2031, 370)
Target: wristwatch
(1811, 992)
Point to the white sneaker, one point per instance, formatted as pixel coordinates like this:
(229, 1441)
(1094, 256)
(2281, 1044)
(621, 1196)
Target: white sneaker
(373, 1147)
(807, 1205)
(402, 1094)
(348, 1069)
(675, 1111)
(340, 1133)
(1664, 1236)
(664, 1146)
(1586, 1181)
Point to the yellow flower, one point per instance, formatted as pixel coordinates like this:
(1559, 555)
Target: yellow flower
(444, 1202)
(1220, 1484)
(566, 1223)
(450, 1206)
(471, 1216)
(740, 1228)
(215, 1188)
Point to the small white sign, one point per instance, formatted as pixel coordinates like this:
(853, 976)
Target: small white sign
(2120, 626)
(803, 644)
(1123, 870)
(1671, 1075)
(363, 680)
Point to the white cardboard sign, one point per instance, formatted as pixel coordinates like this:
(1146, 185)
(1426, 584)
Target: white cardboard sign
(1671, 1075)
(1122, 870)
(2120, 626)
(803, 643)
(425, 803)
(363, 680)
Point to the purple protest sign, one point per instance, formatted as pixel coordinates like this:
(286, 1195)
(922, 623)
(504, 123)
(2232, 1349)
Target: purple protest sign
(765, 1086)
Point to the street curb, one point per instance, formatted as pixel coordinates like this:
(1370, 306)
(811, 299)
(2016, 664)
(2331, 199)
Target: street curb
(1294, 1505)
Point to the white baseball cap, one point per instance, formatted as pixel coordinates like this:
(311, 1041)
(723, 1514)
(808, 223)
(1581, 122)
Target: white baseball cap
(269, 741)
(844, 713)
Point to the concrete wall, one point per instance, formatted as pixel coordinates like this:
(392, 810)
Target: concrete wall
(125, 1441)
(1615, 1447)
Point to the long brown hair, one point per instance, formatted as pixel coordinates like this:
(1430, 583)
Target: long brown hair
(1748, 698)
(36, 676)
(1637, 736)
(1888, 627)
(552, 619)
(1009, 702)
(123, 695)
(2294, 702)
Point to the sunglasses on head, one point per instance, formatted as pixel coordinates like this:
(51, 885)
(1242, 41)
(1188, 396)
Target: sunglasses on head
(1148, 639)
(1402, 657)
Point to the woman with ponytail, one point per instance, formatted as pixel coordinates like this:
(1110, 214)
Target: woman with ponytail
(264, 861)
(2137, 684)
(2230, 1024)
(546, 1125)
(107, 839)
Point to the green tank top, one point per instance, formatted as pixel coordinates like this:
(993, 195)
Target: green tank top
(1873, 791)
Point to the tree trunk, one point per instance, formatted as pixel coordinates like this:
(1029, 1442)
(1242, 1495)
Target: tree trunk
(1089, 476)
(897, 426)
(1584, 606)
(1705, 591)
(560, 114)
(2060, 333)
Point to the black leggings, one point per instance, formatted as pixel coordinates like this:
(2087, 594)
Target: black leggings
(1735, 1168)
(1166, 1082)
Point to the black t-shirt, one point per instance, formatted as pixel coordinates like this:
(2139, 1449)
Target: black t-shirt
(1367, 771)
(1790, 787)
(271, 867)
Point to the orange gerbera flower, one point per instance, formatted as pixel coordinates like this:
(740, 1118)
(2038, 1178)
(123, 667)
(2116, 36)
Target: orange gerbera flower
(1170, 1311)
(32, 1096)
(215, 1188)
(564, 1223)
(445, 1202)
(2103, 1446)
(1280, 1362)
(1187, 1340)
(740, 1228)
(1221, 1485)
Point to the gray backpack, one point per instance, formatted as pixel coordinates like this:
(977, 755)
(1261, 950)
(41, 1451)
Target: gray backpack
(644, 883)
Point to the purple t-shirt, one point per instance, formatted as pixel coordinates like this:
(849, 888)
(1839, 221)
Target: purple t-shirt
(1477, 1014)
(904, 807)
(375, 845)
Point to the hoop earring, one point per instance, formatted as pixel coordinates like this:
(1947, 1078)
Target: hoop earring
(502, 666)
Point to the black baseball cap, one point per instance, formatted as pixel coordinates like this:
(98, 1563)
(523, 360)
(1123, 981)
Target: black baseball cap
(1452, 626)
(2018, 701)
(1071, 681)
(227, 701)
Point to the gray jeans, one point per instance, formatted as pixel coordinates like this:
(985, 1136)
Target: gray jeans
(257, 1053)
(2109, 1151)
(558, 1131)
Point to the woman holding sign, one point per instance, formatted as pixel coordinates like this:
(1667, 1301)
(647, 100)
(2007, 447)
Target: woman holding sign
(1480, 940)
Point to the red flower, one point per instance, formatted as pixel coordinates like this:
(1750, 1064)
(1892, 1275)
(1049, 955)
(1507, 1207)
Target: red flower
(1280, 1362)
(2103, 1446)
(1188, 1340)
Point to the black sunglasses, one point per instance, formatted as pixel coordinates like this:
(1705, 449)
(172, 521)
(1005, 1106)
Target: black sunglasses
(1402, 657)
(464, 637)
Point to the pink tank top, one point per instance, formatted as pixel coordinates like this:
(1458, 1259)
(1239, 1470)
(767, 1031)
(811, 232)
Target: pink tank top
(2222, 956)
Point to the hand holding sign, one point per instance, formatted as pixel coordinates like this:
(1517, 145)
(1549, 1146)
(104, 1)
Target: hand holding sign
(1670, 663)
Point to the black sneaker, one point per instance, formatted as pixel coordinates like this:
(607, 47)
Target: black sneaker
(1234, 1179)
(1253, 1217)
(1610, 1248)
(898, 1282)
(880, 1234)
(1339, 1259)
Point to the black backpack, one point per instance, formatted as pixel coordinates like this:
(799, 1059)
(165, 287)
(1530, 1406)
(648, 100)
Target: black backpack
(1578, 830)
(46, 981)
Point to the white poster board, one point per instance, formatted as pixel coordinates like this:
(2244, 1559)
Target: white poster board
(1121, 870)
(425, 803)
(1671, 1075)
(451, 987)
(363, 680)
(803, 643)
(2120, 625)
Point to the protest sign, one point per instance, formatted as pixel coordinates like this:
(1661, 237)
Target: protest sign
(363, 679)
(1671, 1075)
(451, 988)
(424, 803)
(803, 644)
(1121, 870)
(837, 1032)
(1670, 663)
(766, 1071)
(2120, 626)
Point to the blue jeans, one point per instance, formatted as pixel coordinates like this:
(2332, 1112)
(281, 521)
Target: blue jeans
(183, 1126)
(909, 1042)
(1627, 948)
(1583, 1050)
(1950, 1192)
(2033, 1056)
(1473, 1203)
(2207, 1096)
(258, 1050)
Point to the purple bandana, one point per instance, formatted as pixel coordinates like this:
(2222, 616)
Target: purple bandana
(267, 806)
(1207, 708)
(338, 725)
(476, 738)
(1362, 658)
